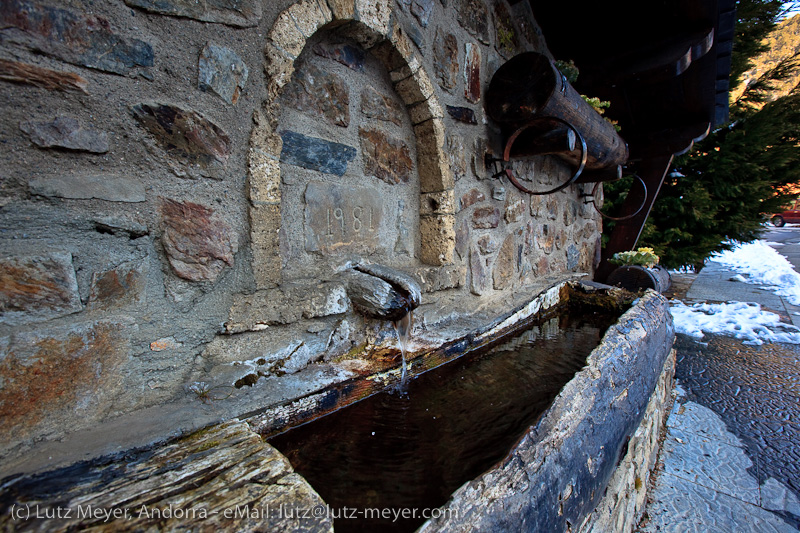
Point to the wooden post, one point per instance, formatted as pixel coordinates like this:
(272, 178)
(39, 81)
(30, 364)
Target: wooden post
(626, 233)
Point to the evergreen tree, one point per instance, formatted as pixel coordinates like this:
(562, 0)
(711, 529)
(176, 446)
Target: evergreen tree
(755, 19)
(722, 190)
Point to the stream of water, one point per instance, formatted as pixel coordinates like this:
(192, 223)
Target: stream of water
(403, 329)
(412, 451)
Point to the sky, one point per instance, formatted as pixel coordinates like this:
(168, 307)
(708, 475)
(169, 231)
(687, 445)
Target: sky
(756, 262)
(792, 7)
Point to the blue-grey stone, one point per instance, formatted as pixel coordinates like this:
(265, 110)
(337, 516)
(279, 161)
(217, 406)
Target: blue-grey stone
(417, 38)
(462, 114)
(66, 132)
(222, 71)
(347, 55)
(421, 9)
(316, 154)
(573, 257)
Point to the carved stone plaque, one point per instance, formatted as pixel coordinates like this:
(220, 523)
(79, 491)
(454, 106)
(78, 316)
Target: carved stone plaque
(340, 218)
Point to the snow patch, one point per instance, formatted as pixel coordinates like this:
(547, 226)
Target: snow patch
(745, 321)
(762, 265)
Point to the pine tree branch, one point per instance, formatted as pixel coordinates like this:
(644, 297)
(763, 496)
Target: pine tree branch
(763, 89)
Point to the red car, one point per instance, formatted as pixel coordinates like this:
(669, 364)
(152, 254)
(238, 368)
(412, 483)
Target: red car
(791, 215)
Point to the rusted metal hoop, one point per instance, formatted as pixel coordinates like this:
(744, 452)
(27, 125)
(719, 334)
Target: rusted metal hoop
(626, 217)
(507, 156)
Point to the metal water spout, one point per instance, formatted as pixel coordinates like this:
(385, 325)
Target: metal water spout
(378, 291)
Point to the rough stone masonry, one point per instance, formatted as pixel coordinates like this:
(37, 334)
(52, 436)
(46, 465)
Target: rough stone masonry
(183, 184)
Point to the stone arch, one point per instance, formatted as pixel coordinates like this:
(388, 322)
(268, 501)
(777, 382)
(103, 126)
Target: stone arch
(371, 24)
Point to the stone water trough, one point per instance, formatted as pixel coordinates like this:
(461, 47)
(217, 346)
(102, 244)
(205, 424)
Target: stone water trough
(582, 466)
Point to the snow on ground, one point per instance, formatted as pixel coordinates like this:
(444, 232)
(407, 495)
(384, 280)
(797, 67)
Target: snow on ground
(759, 263)
(745, 321)
(756, 263)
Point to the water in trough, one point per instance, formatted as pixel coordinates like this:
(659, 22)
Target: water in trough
(387, 461)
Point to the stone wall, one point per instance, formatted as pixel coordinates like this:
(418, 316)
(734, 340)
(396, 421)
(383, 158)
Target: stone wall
(182, 185)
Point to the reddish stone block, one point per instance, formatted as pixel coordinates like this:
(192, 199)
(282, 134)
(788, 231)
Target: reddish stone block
(385, 158)
(350, 56)
(48, 373)
(487, 245)
(515, 209)
(80, 39)
(381, 107)
(199, 245)
(315, 91)
(505, 264)
(44, 78)
(37, 287)
(486, 218)
(478, 273)
(462, 239)
(184, 134)
(546, 238)
(462, 114)
(474, 17)
(472, 74)
(472, 197)
(167, 343)
(114, 288)
(445, 59)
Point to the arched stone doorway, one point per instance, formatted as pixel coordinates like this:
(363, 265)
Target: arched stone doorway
(370, 27)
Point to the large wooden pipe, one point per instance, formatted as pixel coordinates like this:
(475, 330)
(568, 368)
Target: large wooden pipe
(529, 87)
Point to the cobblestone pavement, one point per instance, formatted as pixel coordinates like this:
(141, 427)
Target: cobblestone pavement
(705, 482)
(756, 392)
(731, 456)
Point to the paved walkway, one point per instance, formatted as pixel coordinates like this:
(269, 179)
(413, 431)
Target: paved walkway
(731, 457)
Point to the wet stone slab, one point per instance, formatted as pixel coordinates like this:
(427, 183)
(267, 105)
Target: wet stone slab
(711, 463)
(682, 506)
